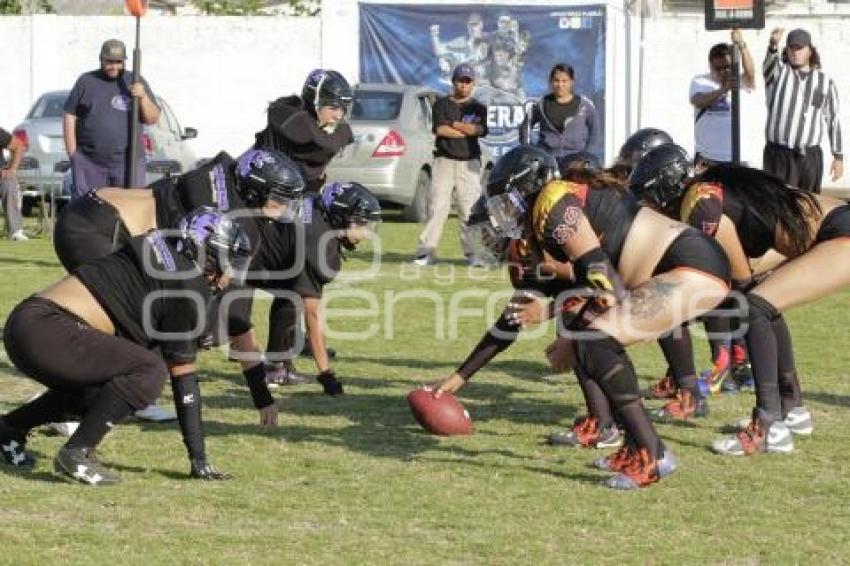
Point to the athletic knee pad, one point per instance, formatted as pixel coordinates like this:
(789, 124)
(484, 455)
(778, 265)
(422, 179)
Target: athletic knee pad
(605, 361)
(761, 309)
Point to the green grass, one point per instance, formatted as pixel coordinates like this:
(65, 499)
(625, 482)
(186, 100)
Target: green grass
(353, 480)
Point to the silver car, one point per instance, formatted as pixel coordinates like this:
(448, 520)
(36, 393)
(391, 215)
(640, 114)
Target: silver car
(393, 145)
(45, 163)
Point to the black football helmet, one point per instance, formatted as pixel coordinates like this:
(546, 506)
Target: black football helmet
(639, 143)
(659, 177)
(344, 204)
(513, 185)
(266, 174)
(215, 242)
(325, 87)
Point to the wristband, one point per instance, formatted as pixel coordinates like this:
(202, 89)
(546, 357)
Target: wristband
(256, 379)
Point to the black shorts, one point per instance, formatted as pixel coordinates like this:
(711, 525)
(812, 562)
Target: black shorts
(836, 224)
(88, 228)
(696, 251)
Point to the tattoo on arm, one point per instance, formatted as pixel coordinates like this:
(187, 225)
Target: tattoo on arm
(648, 300)
(568, 227)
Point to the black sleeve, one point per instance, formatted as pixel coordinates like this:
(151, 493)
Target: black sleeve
(481, 111)
(299, 127)
(321, 266)
(497, 339)
(180, 315)
(239, 315)
(72, 103)
(5, 139)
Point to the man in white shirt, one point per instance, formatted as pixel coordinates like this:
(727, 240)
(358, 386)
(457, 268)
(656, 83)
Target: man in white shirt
(710, 94)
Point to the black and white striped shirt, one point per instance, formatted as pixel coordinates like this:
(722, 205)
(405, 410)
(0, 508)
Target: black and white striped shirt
(798, 106)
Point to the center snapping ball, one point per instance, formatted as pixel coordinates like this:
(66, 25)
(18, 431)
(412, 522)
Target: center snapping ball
(443, 415)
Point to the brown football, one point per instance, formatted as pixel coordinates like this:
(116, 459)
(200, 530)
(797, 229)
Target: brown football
(443, 415)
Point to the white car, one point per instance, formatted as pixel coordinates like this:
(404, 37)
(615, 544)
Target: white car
(41, 172)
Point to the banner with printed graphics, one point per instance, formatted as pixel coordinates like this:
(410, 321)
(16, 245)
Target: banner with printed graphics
(512, 49)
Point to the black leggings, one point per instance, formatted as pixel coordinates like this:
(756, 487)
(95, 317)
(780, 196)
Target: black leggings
(88, 228)
(63, 353)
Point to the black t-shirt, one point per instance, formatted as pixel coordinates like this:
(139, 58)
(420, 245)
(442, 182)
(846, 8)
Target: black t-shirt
(102, 108)
(445, 112)
(5, 140)
(310, 250)
(294, 132)
(213, 184)
(148, 280)
(557, 113)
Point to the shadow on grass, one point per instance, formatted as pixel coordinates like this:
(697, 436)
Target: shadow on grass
(827, 398)
(29, 261)
(380, 424)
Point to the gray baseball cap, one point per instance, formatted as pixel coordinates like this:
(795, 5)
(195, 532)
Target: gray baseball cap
(799, 37)
(113, 50)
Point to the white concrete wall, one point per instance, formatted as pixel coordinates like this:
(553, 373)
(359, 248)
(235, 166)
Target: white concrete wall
(218, 74)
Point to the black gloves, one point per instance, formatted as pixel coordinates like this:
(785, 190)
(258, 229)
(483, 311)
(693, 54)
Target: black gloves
(330, 383)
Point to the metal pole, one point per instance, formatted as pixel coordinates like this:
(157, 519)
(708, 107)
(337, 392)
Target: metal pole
(736, 105)
(134, 114)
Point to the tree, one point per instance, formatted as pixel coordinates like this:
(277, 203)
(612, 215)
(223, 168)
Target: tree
(258, 7)
(15, 7)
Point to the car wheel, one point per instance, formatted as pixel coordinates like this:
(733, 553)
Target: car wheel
(417, 211)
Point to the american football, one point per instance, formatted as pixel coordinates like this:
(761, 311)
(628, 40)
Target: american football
(443, 415)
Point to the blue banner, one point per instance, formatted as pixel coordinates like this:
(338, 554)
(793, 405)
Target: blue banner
(511, 48)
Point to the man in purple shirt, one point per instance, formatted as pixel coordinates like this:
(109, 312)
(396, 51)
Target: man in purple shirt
(96, 125)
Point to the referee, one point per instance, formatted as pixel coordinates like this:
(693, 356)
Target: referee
(801, 100)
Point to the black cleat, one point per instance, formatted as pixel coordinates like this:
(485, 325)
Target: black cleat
(12, 444)
(82, 465)
(203, 470)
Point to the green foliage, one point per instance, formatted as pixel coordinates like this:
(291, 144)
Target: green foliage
(254, 7)
(16, 7)
(10, 7)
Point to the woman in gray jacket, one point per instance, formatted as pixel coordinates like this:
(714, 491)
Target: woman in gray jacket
(568, 122)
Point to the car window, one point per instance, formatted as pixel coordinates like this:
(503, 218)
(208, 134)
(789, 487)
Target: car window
(48, 107)
(376, 105)
(425, 111)
(166, 118)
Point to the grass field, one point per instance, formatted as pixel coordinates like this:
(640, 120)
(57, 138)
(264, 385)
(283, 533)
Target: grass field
(353, 480)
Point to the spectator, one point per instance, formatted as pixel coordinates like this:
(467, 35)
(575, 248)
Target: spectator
(459, 120)
(9, 183)
(568, 122)
(801, 99)
(711, 97)
(96, 126)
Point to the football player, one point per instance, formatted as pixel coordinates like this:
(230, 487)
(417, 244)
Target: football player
(126, 323)
(644, 275)
(750, 212)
